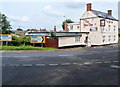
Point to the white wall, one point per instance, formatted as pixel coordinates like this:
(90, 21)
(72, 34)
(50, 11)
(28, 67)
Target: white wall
(76, 27)
(70, 41)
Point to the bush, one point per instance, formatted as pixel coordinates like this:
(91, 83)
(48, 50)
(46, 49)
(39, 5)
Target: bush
(17, 41)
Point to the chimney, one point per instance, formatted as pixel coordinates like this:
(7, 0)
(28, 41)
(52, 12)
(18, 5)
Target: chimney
(89, 7)
(109, 12)
(54, 28)
(65, 26)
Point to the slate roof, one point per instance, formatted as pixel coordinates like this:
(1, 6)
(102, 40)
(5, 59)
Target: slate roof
(103, 15)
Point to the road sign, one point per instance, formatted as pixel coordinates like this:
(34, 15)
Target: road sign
(37, 39)
(5, 37)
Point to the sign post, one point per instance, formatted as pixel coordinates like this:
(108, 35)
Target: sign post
(38, 39)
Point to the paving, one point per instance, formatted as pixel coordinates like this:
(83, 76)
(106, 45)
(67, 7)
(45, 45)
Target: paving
(89, 66)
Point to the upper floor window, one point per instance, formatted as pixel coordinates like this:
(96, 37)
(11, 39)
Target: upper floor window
(71, 27)
(102, 23)
(114, 28)
(109, 27)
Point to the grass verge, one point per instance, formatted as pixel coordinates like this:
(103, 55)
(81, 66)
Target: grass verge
(24, 48)
(118, 41)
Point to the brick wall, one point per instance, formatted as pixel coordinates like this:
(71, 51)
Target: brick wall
(51, 43)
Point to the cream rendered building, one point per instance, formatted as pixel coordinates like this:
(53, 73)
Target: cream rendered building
(102, 27)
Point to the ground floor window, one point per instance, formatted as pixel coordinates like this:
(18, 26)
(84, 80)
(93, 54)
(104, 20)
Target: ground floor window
(77, 39)
(109, 38)
(103, 38)
(114, 37)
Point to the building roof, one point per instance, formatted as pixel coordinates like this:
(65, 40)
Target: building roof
(103, 15)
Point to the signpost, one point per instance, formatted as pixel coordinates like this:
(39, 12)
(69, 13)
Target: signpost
(38, 39)
(5, 37)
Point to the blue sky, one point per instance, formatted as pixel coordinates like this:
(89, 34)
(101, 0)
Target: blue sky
(38, 15)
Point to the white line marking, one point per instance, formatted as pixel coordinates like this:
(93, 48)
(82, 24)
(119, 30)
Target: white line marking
(75, 63)
(80, 64)
(40, 64)
(115, 61)
(13, 64)
(87, 63)
(107, 62)
(98, 62)
(53, 64)
(65, 64)
(27, 65)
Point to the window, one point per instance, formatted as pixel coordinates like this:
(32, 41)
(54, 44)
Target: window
(102, 29)
(102, 23)
(103, 38)
(77, 39)
(114, 28)
(114, 37)
(109, 38)
(93, 28)
(77, 27)
(71, 27)
(109, 27)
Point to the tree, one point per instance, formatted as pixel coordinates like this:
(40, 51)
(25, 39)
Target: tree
(19, 29)
(5, 26)
(67, 21)
(53, 35)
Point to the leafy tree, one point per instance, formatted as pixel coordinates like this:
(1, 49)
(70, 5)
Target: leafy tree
(53, 35)
(19, 29)
(5, 26)
(67, 21)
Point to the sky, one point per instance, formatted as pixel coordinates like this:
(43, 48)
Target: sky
(35, 14)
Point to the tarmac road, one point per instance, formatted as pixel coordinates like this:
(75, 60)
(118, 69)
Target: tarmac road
(91, 66)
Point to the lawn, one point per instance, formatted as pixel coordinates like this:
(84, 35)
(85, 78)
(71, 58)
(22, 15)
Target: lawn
(24, 48)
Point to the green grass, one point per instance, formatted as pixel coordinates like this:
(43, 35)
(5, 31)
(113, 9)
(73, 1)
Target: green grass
(118, 41)
(24, 48)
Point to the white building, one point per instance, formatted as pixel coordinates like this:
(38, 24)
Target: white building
(102, 27)
(95, 28)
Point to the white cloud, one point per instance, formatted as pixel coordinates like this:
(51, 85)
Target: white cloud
(19, 18)
(52, 11)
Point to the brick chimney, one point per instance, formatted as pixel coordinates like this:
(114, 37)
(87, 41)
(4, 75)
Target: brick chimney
(89, 7)
(65, 26)
(54, 28)
(110, 12)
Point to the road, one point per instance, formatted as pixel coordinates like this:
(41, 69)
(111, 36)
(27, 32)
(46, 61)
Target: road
(90, 66)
